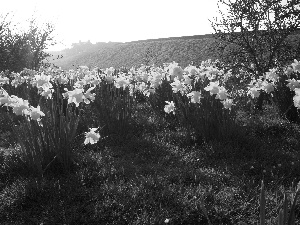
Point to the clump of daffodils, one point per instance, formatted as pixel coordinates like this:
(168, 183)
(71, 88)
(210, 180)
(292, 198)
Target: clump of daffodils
(265, 83)
(221, 94)
(20, 106)
(268, 81)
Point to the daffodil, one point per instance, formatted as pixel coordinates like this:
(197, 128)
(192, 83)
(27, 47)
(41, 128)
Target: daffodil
(47, 93)
(296, 100)
(254, 92)
(187, 80)
(61, 79)
(109, 71)
(76, 96)
(195, 96)
(292, 84)
(4, 80)
(89, 96)
(267, 87)
(42, 81)
(213, 88)
(5, 99)
(19, 105)
(35, 113)
(144, 76)
(80, 84)
(177, 86)
(272, 75)
(296, 66)
(222, 94)
(175, 71)
(155, 79)
(227, 103)
(289, 70)
(170, 107)
(91, 137)
(191, 70)
(121, 82)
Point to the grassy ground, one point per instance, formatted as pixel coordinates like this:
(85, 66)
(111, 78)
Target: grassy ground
(155, 177)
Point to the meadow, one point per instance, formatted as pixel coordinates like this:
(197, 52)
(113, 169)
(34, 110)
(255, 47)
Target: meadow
(149, 145)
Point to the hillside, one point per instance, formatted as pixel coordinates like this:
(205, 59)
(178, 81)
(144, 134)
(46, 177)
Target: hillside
(183, 50)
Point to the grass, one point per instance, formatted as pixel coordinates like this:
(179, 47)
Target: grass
(155, 174)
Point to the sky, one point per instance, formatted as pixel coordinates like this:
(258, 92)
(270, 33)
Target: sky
(114, 20)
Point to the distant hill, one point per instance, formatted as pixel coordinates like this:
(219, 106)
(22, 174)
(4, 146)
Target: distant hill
(183, 50)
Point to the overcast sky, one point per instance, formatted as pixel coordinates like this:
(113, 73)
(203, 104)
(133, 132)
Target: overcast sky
(116, 20)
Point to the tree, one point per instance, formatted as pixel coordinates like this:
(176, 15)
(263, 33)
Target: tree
(254, 34)
(21, 49)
